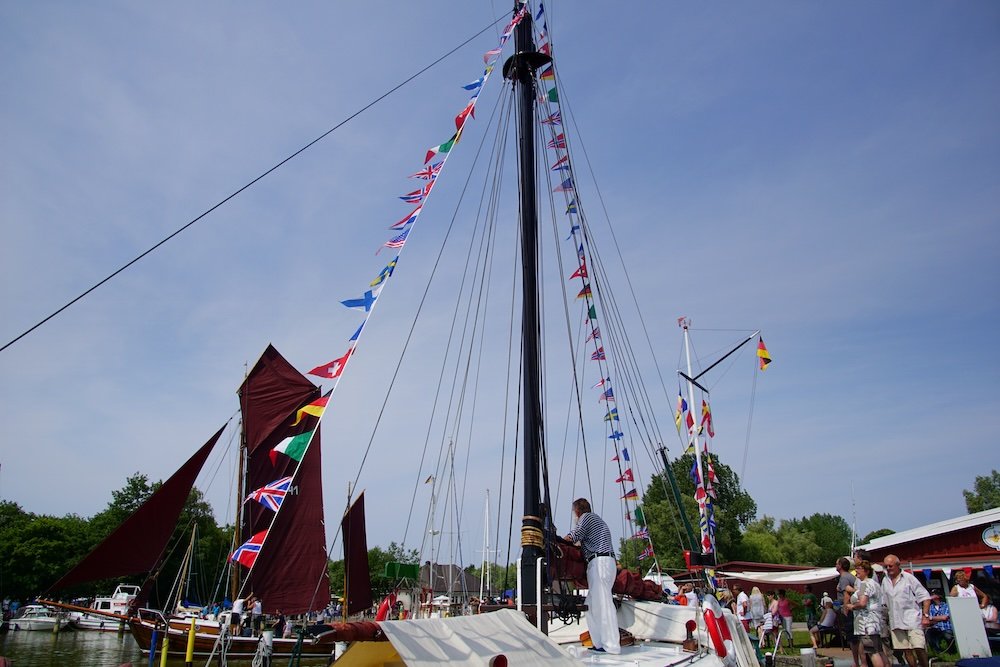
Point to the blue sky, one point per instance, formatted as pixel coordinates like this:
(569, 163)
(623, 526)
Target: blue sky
(825, 172)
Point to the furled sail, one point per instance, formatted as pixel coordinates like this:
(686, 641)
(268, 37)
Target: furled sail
(359, 583)
(137, 545)
(289, 574)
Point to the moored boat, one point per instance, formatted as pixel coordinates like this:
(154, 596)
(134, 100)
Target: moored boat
(38, 617)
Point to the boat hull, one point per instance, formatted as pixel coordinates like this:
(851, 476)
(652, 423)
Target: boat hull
(236, 647)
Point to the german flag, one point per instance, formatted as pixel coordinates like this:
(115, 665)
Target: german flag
(762, 353)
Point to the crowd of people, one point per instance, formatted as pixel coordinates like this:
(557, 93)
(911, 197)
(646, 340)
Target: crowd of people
(878, 616)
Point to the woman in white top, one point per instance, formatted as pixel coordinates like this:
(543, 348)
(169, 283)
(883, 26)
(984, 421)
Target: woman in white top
(964, 589)
(827, 621)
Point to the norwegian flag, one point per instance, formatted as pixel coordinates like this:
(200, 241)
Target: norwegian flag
(558, 142)
(246, 554)
(271, 495)
(599, 355)
(417, 196)
(430, 172)
(646, 553)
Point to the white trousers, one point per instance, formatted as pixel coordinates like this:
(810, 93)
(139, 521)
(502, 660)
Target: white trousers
(602, 618)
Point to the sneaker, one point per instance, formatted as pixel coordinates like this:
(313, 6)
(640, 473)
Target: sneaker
(597, 650)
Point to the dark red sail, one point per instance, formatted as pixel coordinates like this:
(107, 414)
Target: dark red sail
(290, 572)
(359, 583)
(136, 545)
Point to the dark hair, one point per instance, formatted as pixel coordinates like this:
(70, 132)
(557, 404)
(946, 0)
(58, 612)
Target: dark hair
(581, 505)
(844, 563)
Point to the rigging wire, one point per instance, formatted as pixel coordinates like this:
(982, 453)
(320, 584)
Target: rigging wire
(251, 183)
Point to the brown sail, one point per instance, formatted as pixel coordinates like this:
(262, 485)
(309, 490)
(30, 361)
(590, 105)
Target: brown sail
(359, 583)
(137, 545)
(290, 573)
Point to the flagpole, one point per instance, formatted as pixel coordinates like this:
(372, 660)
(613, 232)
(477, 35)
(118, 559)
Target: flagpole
(693, 432)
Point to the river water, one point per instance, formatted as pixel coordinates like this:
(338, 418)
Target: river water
(86, 649)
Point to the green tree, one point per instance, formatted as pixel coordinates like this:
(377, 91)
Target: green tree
(881, 532)
(829, 533)
(734, 510)
(378, 558)
(985, 494)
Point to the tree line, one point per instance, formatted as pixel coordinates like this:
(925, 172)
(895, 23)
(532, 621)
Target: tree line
(35, 550)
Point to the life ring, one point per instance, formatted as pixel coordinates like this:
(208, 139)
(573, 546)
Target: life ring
(715, 632)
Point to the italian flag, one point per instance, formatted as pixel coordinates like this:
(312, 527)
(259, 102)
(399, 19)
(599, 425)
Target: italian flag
(293, 446)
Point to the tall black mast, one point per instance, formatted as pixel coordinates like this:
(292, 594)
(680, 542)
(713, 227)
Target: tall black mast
(520, 69)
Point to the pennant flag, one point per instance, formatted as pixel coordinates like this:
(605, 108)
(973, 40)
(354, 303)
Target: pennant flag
(614, 458)
(417, 196)
(608, 395)
(555, 119)
(625, 454)
(580, 272)
(294, 447)
(316, 408)
(545, 48)
(631, 495)
(572, 230)
(430, 478)
(246, 554)
(428, 173)
(598, 355)
(473, 85)
(443, 148)
(358, 332)
(690, 448)
(366, 302)
(646, 553)
(706, 418)
(384, 274)
(408, 220)
(572, 207)
(592, 313)
(612, 414)
(540, 13)
(469, 110)
(581, 254)
(639, 516)
(988, 569)
(334, 368)
(585, 293)
(492, 53)
(565, 186)
(601, 382)
(396, 241)
(558, 142)
(271, 495)
(765, 358)
(641, 534)
(690, 421)
(626, 477)
(548, 74)
(595, 334)
(553, 96)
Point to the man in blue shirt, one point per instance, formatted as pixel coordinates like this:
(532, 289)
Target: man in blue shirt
(594, 538)
(941, 634)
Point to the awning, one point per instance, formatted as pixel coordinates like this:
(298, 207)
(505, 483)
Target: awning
(792, 577)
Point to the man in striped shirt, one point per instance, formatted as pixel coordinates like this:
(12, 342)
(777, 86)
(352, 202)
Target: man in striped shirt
(594, 539)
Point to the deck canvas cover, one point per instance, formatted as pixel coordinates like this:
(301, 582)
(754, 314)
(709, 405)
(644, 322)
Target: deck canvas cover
(466, 640)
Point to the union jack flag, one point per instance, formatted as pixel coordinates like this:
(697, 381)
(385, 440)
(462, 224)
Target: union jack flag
(642, 534)
(430, 172)
(271, 495)
(554, 119)
(246, 554)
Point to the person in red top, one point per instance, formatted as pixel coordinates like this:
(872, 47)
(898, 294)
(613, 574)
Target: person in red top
(785, 611)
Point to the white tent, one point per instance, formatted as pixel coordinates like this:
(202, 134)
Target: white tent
(814, 576)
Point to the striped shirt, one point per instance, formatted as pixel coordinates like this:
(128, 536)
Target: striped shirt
(593, 535)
